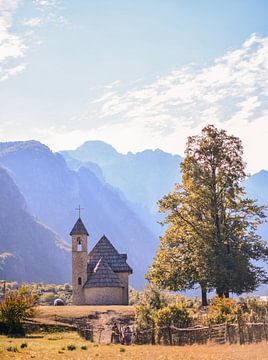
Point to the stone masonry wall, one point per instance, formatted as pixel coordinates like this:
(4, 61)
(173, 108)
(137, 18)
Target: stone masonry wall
(124, 279)
(103, 296)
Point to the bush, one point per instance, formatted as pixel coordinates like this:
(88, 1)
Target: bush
(224, 310)
(15, 308)
(12, 348)
(173, 315)
(144, 317)
(122, 349)
(48, 298)
(254, 310)
(83, 347)
(152, 297)
(71, 347)
(24, 345)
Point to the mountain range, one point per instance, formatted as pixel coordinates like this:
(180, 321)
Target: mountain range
(118, 191)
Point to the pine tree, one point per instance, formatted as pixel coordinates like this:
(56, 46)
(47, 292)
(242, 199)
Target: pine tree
(210, 236)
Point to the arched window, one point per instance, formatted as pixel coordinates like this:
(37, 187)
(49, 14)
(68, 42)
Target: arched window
(79, 244)
(79, 281)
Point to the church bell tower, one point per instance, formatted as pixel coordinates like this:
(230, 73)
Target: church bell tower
(79, 236)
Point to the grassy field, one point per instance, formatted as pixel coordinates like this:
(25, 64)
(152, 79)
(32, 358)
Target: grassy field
(49, 312)
(55, 346)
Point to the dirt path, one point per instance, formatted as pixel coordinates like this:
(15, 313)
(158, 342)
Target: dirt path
(102, 324)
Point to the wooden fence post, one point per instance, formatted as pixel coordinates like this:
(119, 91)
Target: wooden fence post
(226, 332)
(153, 336)
(209, 332)
(264, 329)
(240, 332)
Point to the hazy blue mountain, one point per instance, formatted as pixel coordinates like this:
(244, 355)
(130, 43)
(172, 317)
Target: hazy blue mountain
(29, 250)
(257, 188)
(53, 191)
(143, 177)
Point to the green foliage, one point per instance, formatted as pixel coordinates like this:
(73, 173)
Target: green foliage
(133, 296)
(46, 293)
(17, 306)
(144, 317)
(254, 310)
(224, 310)
(210, 236)
(71, 347)
(173, 315)
(49, 298)
(153, 297)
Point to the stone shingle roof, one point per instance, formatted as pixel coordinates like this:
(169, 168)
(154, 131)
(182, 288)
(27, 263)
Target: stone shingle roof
(105, 250)
(103, 276)
(79, 228)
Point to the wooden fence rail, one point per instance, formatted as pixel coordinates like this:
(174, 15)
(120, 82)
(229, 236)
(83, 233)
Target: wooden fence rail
(221, 334)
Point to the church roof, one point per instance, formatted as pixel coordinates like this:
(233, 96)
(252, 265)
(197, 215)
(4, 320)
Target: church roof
(79, 228)
(103, 276)
(105, 250)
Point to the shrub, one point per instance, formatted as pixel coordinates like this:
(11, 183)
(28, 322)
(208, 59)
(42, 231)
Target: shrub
(152, 297)
(24, 345)
(254, 310)
(83, 347)
(144, 317)
(15, 308)
(12, 348)
(224, 310)
(71, 347)
(122, 349)
(173, 314)
(48, 298)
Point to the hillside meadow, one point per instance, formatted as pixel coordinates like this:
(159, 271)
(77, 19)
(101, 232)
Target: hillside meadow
(49, 312)
(55, 346)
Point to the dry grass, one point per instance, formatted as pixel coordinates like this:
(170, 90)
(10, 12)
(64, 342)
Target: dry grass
(54, 346)
(49, 312)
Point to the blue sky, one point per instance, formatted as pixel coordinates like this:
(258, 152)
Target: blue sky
(137, 74)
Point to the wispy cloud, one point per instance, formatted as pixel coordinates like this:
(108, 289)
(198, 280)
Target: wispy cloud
(11, 45)
(234, 86)
(231, 92)
(14, 45)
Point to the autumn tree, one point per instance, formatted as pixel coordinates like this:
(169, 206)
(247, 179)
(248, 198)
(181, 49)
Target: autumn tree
(16, 307)
(210, 237)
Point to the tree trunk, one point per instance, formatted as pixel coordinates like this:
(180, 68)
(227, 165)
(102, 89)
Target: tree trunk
(204, 296)
(220, 293)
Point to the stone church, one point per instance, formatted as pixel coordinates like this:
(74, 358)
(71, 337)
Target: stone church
(99, 277)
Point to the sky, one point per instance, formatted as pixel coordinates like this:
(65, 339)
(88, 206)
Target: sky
(136, 74)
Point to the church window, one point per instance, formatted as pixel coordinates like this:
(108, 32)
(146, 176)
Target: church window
(79, 281)
(79, 244)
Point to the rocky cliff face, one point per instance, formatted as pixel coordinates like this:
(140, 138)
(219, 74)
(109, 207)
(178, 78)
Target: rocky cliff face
(143, 177)
(30, 251)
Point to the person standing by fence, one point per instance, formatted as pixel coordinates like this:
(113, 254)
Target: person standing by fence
(115, 334)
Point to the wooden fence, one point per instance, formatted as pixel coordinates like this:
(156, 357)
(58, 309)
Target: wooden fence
(237, 333)
(221, 334)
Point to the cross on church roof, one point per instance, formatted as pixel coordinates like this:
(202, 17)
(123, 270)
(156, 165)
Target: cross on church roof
(79, 210)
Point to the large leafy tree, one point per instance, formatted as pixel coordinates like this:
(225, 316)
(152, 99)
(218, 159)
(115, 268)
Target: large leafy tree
(210, 237)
